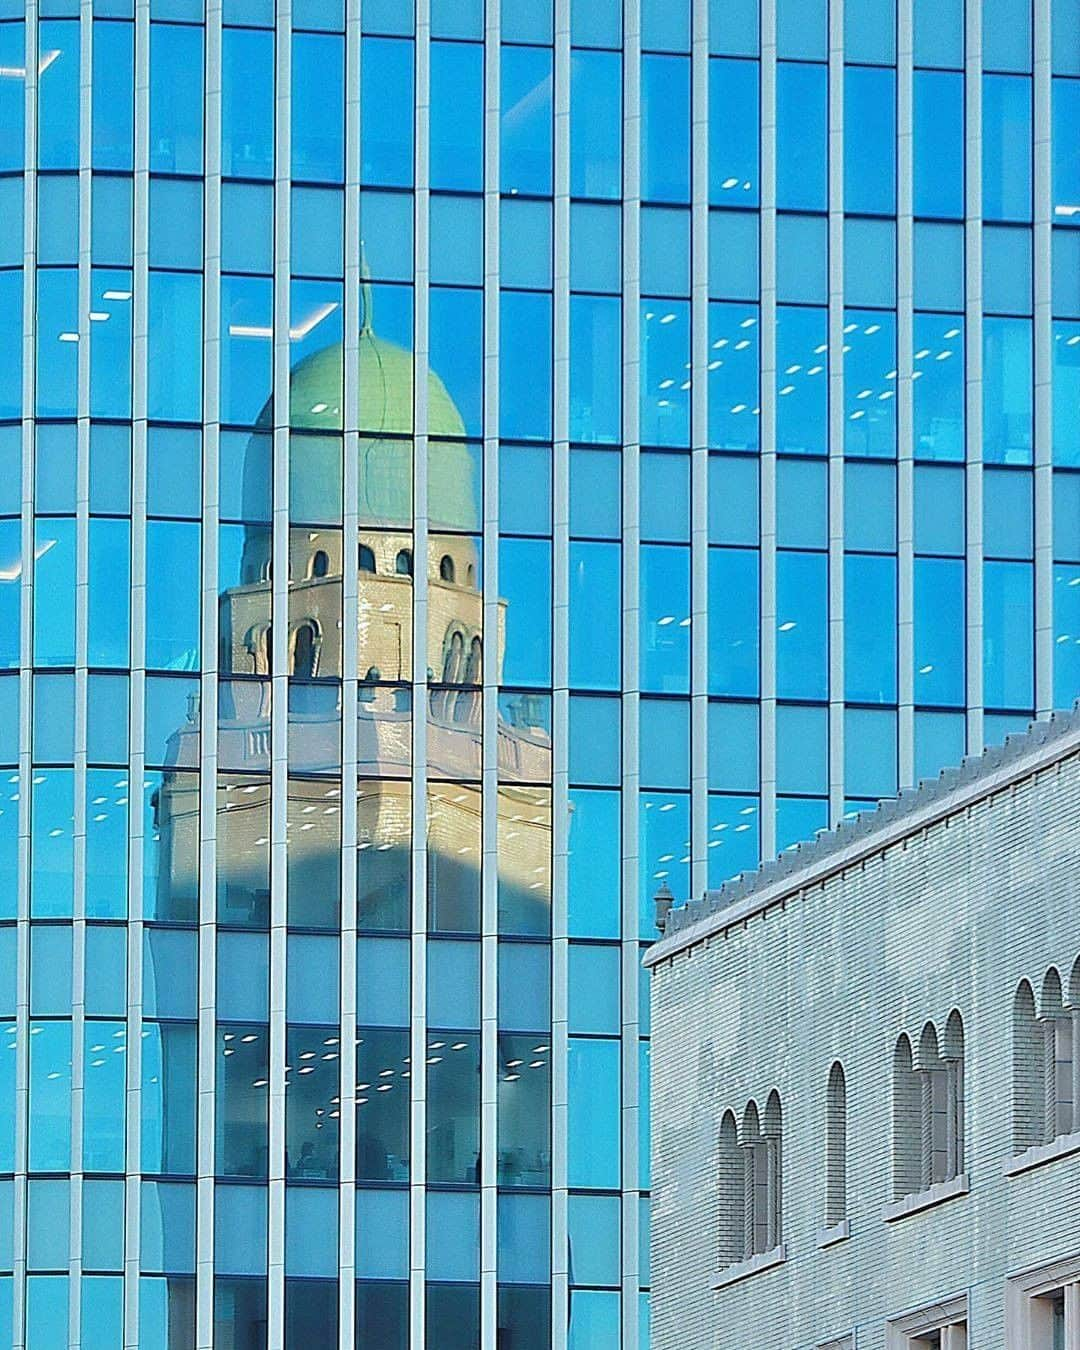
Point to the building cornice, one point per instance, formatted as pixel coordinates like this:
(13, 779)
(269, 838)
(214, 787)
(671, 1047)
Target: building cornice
(896, 820)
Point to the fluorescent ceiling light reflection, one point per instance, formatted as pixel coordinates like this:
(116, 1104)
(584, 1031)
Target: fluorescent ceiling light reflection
(14, 572)
(19, 72)
(116, 295)
(296, 333)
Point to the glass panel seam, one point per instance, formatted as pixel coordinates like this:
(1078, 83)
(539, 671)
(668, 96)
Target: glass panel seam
(206, 1164)
(836, 412)
(631, 685)
(560, 1272)
(905, 472)
(418, 948)
(973, 339)
(1042, 243)
(489, 919)
(767, 396)
(279, 680)
(82, 494)
(699, 453)
(350, 657)
(26, 606)
(140, 235)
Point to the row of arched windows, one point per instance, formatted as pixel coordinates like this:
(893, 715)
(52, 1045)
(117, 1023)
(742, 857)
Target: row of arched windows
(463, 658)
(928, 1107)
(305, 647)
(1046, 1065)
(462, 662)
(928, 1141)
(751, 1177)
(319, 565)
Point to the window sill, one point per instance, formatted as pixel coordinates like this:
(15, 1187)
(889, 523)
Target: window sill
(1041, 1154)
(836, 1232)
(753, 1265)
(920, 1200)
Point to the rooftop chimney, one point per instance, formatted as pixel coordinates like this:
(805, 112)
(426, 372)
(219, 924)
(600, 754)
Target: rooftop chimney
(663, 900)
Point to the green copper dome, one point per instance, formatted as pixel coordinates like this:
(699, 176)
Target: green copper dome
(385, 375)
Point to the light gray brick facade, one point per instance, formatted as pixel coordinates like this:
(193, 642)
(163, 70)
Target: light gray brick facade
(939, 904)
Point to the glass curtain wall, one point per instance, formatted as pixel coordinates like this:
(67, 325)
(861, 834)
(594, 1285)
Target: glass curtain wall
(466, 466)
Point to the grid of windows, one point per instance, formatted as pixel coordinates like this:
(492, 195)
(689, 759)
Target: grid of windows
(467, 463)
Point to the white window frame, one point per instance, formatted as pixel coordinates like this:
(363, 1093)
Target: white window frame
(1028, 1316)
(949, 1316)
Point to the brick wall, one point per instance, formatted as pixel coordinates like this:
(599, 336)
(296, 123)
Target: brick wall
(952, 918)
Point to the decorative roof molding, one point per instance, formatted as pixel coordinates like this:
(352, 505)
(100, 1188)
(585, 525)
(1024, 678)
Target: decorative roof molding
(871, 832)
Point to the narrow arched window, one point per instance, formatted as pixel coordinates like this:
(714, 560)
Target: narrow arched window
(907, 1122)
(773, 1131)
(366, 560)
(1029, 1072)
(454, 659)
(760, 1139)
(1057, 1024)
(447, 571)
(320, 563)
(305, 651)
(403, 562)
(935, 1109)
(836, 1146)
(730, 1186)
(474, 670)
(952, 1054)
(754, 1208)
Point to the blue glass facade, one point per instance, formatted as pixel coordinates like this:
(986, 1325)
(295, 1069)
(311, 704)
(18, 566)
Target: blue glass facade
(466, 463)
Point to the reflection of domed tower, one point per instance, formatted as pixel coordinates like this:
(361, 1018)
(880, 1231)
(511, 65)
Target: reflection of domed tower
(385, 561)
(385, 567)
